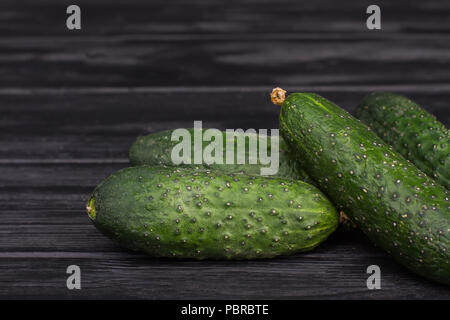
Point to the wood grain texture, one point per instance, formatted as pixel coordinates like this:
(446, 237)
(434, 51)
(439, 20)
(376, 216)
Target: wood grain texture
(86, 126)
(135, 43)
(336, 270)
(124, 62)
(72, 102)
(204, 17)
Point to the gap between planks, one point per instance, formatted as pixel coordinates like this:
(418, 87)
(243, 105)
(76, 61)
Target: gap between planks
(418, 88)
(64, 255)
(65, 161)
(353, 35)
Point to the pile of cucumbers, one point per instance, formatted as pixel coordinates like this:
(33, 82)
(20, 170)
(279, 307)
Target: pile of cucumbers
(389, 172)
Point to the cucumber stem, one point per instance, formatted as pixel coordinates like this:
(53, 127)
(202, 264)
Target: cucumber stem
(345, 220)
(278, 96)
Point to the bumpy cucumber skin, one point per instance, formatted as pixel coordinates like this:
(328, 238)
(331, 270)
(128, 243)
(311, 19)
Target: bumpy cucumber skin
(174, 212)
(396, 205)
(156, 148)
(411, 130)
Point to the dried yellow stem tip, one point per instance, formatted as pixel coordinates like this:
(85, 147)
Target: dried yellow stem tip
(90, 208)
(277, 96)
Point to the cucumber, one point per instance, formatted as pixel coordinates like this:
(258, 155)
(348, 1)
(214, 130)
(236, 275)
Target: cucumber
(411, 130)
(202, 214)
(396, 205)
(156, 148)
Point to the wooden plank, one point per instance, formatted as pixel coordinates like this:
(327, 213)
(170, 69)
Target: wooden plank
(336, 270)
(55, 175)
(97, 127)
(109, 61)
(45, 200)
(209, 17)
(62, 237)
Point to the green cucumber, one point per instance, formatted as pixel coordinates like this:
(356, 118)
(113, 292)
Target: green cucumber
(411, 130)
(202, 214)
(156, 148)
(396, 205)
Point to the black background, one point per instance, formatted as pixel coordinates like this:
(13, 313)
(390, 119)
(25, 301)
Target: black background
(71, 102)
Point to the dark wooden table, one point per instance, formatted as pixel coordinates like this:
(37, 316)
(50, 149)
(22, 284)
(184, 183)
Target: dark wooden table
(71, 102)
